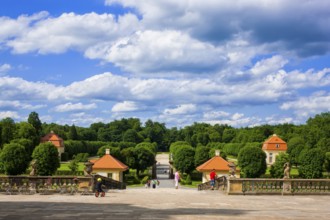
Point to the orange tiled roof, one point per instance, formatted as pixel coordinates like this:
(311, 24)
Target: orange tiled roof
(109, 162)
(216, 162)
(54, 138)
(275, 143)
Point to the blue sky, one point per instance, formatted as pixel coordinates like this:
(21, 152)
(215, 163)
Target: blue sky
(242, 63)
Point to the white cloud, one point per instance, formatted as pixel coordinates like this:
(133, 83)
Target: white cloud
(125, 106)
(68, 31)
(181, 110)
(306, 106)
(10, 114)
(160, 51)
(268, 66)
(68, 107)
(19, 105)
(4, 68)
(215, 115)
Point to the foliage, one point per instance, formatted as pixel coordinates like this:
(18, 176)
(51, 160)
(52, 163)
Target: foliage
(34, 120)
(14, 158)
(295, 146)
(188, 180)
(276, 170)
(151, 146)
(73, 165)
(183, 159)
(82, 157)
(327, 162)
(144, 158)
(311, 163)
(252, 161)
(8, 129)
(47, 160)
(201, 155)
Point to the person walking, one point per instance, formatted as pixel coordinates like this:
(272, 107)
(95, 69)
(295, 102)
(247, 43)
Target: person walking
(176, 179)
(213, 175)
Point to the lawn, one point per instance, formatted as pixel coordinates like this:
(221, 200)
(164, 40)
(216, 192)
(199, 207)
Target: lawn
(65, 166)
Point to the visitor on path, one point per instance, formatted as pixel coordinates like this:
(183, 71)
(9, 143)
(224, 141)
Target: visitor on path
(213, 175)
(154, 183)
(176, 179)
(98, 188)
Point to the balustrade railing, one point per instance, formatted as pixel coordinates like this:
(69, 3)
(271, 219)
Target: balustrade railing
(220, 184)
(279, 186)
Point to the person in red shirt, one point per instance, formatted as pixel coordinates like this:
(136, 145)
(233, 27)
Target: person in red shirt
(213, 175)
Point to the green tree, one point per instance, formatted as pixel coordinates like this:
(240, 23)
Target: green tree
(295, 146)
(228, 135)
(73, 165)
(130, 157)
(144, 158)
(73, 134)
(184, 159)
(28, 144)
(15, 159)
(8, 128)
(311, 163)
(114, 151)
(276, 170)
(201, 155)
(252, 161)
(132, 135)
(27, 131)
(34, 120)
(327, 162)
(47, 160)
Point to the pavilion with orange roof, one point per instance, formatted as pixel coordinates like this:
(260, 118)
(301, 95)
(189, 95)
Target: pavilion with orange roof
(220, 165)
(109, 166)
(55, 140)
(272, 147)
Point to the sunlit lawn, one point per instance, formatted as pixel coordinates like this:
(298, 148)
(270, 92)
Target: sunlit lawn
(65, 166)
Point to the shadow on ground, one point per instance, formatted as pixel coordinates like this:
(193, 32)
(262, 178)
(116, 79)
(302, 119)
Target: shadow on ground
(48, 210)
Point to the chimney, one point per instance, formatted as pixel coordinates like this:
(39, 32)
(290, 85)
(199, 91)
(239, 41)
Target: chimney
(107, 151)
(217, 152)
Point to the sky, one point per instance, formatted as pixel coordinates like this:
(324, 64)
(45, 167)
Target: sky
(242, 63)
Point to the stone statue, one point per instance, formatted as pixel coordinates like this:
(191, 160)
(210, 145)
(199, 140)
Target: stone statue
(232, 169)
(286, 170)
(34, 168)
(88, 168)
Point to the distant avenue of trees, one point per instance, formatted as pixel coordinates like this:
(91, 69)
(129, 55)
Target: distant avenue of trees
(136, 143)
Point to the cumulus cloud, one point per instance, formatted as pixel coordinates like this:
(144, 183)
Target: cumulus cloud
(268, 22)
(9, 114)
(18, 105)
(125, 106)
(160, 51)
(181, 110)
(306, 106)
(68, 107)
(45, 34)
(4, 68)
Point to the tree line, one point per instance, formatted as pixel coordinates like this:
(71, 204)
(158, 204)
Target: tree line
(127, 135)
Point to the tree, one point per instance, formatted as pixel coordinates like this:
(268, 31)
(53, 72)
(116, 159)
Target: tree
(311, 163)
(28, 145)
(184, 159)
(276, 170)
(201, 155)
(132, 135)
(73, 135)
(129, 155)
(327, 162)
(47, 160)
(7, 130)
(35, 122)
(295, 146)
(114, 151)
(252, 161)
(15, 159)
(26, 131)
(73, 165)
(144, 158)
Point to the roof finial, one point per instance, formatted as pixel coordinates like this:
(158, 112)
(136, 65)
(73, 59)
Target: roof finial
(217, 152)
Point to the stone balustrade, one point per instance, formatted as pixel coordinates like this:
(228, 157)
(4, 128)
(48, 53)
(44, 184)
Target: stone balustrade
(249, 186)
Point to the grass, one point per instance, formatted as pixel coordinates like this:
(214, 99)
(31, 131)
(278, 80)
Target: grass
(65, 166)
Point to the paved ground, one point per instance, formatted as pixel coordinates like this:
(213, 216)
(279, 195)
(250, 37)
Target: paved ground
(163, 203)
